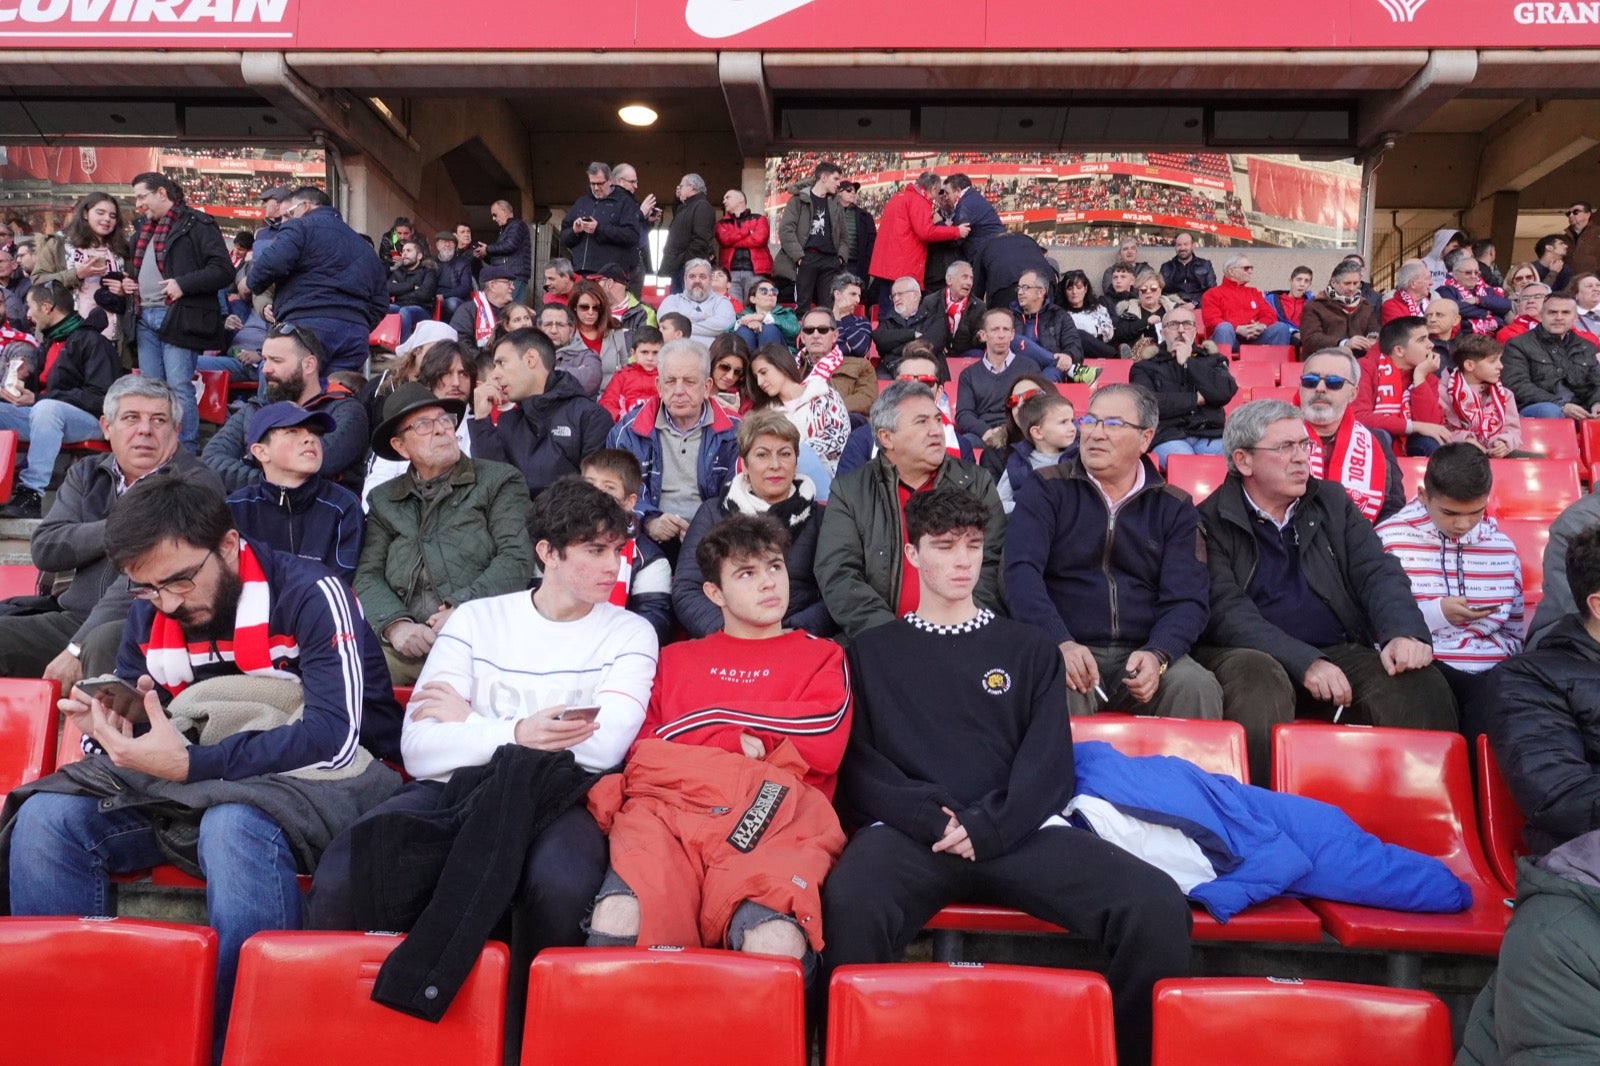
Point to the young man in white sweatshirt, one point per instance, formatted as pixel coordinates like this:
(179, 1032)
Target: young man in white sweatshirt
(512, 670)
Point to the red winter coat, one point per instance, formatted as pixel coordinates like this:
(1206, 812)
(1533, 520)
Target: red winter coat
(1235, 303)
(749, 230)
(904, 233)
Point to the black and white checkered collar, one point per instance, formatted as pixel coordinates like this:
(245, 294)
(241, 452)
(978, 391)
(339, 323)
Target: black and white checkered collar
(971, 625)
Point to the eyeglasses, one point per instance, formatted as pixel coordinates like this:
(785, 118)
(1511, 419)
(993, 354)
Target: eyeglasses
(1087, 423)
(1148, 291)
(1333, 381)
(1575, 211)
(816, 329)
(1181, 323)
(1286, 449)
(180, 586)
(1244, 266)
(426, 426)
(1034, 287)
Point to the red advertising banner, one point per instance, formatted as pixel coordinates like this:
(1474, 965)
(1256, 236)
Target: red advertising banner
(870, 25)
(1283, 190)
(78, 166)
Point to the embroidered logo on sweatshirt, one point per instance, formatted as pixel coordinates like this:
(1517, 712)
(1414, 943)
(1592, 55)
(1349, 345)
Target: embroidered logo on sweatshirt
(757, 819)
(996, 682)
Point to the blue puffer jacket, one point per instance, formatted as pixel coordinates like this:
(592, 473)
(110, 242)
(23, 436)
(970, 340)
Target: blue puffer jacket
(1265, 844)
(323, 269)
(715, 465)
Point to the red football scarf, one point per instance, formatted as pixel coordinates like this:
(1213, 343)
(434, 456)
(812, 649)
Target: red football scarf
(1357, 463)
(1484, 415)
(619, 591)
(170, 658)
(483, 324)
(953, 310)
(1413, 306)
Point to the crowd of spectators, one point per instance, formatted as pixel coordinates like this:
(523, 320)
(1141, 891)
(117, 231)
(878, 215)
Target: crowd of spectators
(606, 534)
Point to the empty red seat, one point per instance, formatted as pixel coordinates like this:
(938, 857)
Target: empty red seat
(665, 1007)
(1198, 475)
(1500, 820)
(1266, 1021)
(1289, 394)
(1112, 371)
(1267, 353)
(8, 463)
(1412, 469)
(214, 396)
(306, 998)
(1589, 441)
(1215, 747)
(18, 580)
(958, 363)
(1553, 438)
(1078, 394)
(1408, 787)
(386, 334)
(1255, 375)
(1533, 488)
(938, 1013)
(106, 990)
(27, 731)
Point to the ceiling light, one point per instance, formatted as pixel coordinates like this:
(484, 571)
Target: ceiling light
(637, 115)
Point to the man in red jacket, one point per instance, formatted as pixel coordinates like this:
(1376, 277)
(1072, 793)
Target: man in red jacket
(742, 237)
(1399, 392)
(904, 233)
(1234, 313)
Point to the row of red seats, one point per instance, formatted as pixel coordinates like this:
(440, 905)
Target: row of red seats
(305, 998)
(1407, 787)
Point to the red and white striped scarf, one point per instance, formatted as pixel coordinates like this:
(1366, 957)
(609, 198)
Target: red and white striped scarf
(1484, 416)
(483, 323)
(1357, 463)
(619, 591)
(1488, 325)
(1415, 307)
(171, 658)
(953, 310)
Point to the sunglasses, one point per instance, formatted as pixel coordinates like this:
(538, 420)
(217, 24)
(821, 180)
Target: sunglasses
(1576, 211)
(1333, 381)
(1020, 398)
(586, 307)
(926, 379)
(816, 329)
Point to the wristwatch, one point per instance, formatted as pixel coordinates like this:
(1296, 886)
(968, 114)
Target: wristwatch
(75, 649)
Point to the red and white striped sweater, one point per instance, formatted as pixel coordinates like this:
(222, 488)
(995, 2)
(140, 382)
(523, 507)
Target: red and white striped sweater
(1482, 566)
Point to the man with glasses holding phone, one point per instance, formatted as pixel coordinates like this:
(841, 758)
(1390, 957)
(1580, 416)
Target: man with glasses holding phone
(1342, 449)
(1235, 312)
(603, 225)
(1297, 572)
(208, 605)
(1107, 559)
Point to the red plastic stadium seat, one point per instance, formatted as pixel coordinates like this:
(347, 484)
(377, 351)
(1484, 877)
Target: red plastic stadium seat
(1078, 394)
(1198, 475)
(1412, 468)
(1112, 371)
(18, 580)
(938, 1013)
(1289, 394)
(1408, 787)
(1268, 353)
(1533, 488)
(8, 463)
(1530, 535)
(1255, 375)
(665, 1007)
(27, 731)
(305, 997)
(97, 990)
(386, 334)
(958, 363)
(1500, 820)
(84, 447)
(1215, 747)
(1553, 438)
(214, 396)
(1265, 1021)
(1589, 441)
(402, 695)
(1276, 921)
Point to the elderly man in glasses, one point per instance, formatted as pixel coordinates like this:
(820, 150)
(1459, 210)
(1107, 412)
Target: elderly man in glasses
(293, 704)
(1103, 557)
(1342, 449)
(1297, 572)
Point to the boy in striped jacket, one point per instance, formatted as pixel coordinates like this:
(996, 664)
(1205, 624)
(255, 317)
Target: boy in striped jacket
(1464, 573)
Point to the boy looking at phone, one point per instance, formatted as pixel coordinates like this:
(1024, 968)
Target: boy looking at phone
(505, 670)
(721, 827)
(1464, 574)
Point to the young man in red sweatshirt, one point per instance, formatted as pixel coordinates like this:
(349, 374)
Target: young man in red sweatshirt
(1399, 392)
(721, 825)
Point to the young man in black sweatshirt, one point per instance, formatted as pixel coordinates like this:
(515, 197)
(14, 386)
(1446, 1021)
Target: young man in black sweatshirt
(959, 767)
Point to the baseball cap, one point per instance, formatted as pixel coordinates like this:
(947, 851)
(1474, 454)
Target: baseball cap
(282, 415)
(276, 192)
(612, 272)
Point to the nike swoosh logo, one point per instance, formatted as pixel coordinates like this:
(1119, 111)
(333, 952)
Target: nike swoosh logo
(729, 18)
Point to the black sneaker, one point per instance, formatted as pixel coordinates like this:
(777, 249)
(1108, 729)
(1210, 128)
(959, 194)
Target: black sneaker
(25, 503)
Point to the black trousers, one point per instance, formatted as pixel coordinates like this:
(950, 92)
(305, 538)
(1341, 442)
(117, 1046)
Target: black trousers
(813, 281)
(1477, 699)
(886, 887)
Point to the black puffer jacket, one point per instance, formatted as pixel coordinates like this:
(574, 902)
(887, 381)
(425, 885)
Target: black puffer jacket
(1178, 388)
(1547, 734)
(544, 436)
(1051, 327)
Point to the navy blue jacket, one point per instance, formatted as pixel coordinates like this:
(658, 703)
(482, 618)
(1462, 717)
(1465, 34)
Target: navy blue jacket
(1005, 259)
(972, 208)
(714, 467)
(318, 634)
(619, 229)
(318, 520)
(512, 249)
(455, 277)
(323, 269)
(1137, 579)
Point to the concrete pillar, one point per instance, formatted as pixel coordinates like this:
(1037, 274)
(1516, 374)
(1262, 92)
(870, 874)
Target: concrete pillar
(753, 181)
(1495, 217)
(374, 202)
